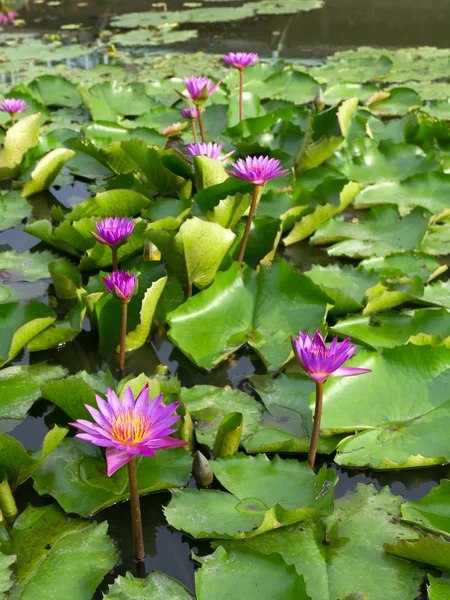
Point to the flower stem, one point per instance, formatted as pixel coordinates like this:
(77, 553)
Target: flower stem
(136, 511)
(7, 503)
(123, 335)
(316, 427)
(13, 118)
(200, 122)
(115, 262)
(189, 290)
(194, 131)
(251, 214)
(241, 94)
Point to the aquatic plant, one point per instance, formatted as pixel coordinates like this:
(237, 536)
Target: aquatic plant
(200, 89)
(241, 60)
(13, 106)
(114, 232)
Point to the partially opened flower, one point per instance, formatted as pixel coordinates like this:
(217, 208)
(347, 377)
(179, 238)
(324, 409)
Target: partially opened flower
(321, 361)
(257, 169)
(200, 88)
(131, 427)
(121, 284)
(211, 150)
(13, 106)
(174, 130)
(113, 232)
(7, 16)
(191, 112)
(240, 60)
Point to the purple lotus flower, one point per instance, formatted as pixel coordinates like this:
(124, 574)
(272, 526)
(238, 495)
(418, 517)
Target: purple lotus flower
(210, 150)
(121, 284)
(258, 170)
(200, 88)
(191, 112)
(322, 362)
(114, 232)
(129, 427)
(13, 106)
(240, 60)
(7, 17)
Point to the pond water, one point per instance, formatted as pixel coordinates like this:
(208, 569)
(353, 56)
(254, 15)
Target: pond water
(340, 24)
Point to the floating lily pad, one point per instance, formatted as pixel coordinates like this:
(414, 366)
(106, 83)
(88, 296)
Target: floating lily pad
(27, 266)
(427, 549)
(13, 209)
(432, 512)
(55, 91)
(75, 474)
(439, 589)
(157, 585)
(19, 138)
(46, 171)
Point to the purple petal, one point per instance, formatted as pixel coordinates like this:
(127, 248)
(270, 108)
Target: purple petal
(115, 459)
(348, 371)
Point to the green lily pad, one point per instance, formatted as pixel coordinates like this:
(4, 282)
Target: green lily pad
(152, 37)
(13, 209)
(27, 266)
(46, 171)
(377, 233)
(5, 573)
(115, 203)
(265, 494)
(428, 190)
(19, 324)
(55, 91)
(75, 475)
(399, 102)
(157, 585)
(253, 573)
(208, 405)
(60, 332)
(262, 310)
(438, 234)
(408, 263)
(287, 423)
(439, 589)
(108, 101)
(20, 388)
(19, 138)
(432, 512)
(427, 549)
(348, 559)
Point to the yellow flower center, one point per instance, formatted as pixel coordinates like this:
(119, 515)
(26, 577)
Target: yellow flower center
(130, 428)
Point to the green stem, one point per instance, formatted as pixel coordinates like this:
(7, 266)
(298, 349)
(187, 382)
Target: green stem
(7, 503)
(115, 263)
(200, 122)
(316, 427)
(136, 520)
(13, 119)
(189, 290)
(194, 131)
(123, 335)
(241, 94)
(251, 214)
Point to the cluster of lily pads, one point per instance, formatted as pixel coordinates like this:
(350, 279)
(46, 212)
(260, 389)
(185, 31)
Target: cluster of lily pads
(363, 190)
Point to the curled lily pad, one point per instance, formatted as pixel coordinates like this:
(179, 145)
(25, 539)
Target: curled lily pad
(158, 585)
(19, 138)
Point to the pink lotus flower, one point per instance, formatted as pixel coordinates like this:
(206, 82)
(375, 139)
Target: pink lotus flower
(131, 427)
(200, 88)
(240, 60)
(7, 17)
(121, 284)
(258, 170)
(13, 106)
(321, 361)
(191, 112)
(113, 232)
(210, 150)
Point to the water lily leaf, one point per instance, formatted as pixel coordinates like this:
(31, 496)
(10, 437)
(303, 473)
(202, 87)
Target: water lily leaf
(19, 138)
(20, 465)
(109, 131)
(428, 190)
(287, 423)
(20, 387)
(346, 286)
(75, 475)
(253, 506)
(438, 234)
(27, 266)
(254, 574)
(432, 512)
(208, 172)
(85, 555)
(263, 240)
(60, 332)
(152, 37)
(427, 549)
(201, 330)
(208, 405)
(13, 209)
(66, 279)
(399, 102)
(167, 213)
(438, 293)
(391, 329)
(55, 91)
(347, 560)
(46, 171)
(115, 203)
(158, 586)
(439, 589)
(406, 382)
(398, 264)
(341, 91)
(19, 324)
(377, 233)
(108, 101)
(289, 85)
(5, 573)
(383, 162)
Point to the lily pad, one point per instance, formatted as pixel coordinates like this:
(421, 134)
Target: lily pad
(13, 209)
(46, 171)
(55, 91)
(439, 589)
(108, 101)
(27, 266)
(19, 138)
(157, 585)
(253, 573)
(348, 559)
(432, 512)
(262, 310)
(75, 474)
(427, 549)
